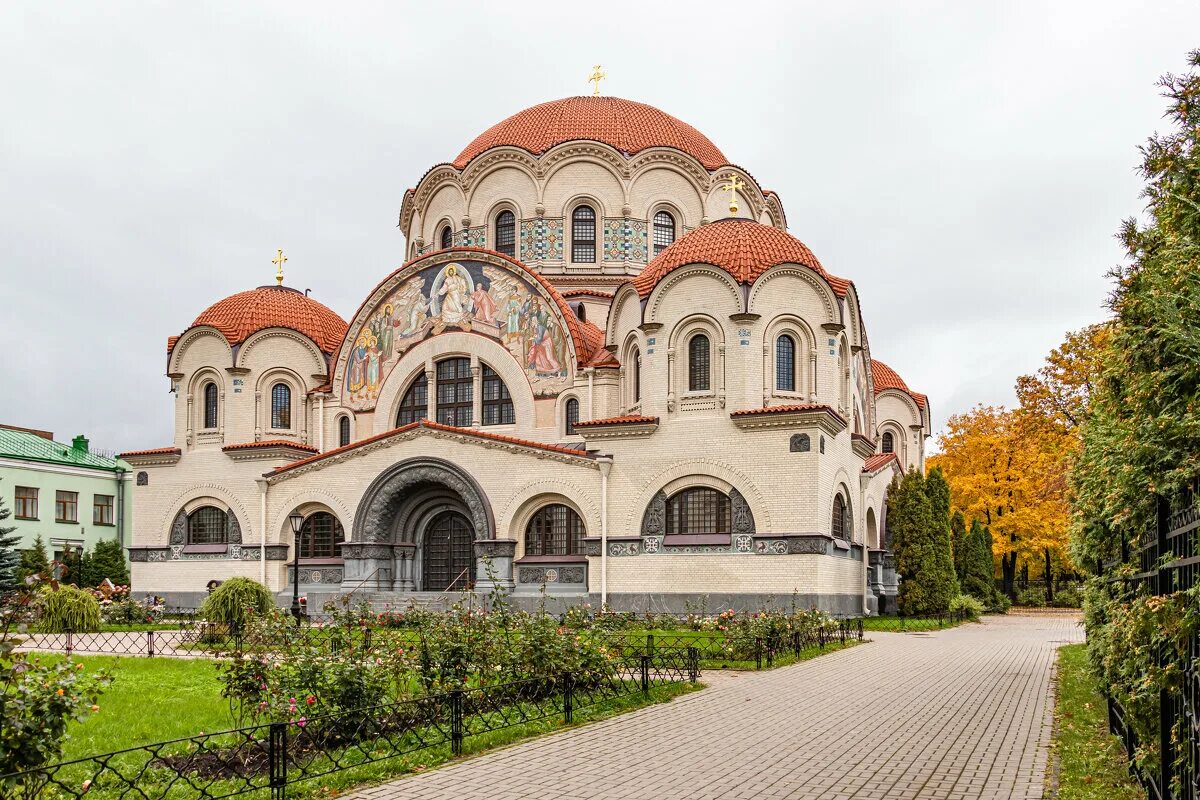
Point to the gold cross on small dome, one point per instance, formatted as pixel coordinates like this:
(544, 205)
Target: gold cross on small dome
(595, 79)
(278, 261)
(732, 187)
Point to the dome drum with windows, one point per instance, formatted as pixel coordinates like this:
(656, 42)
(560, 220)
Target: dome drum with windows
(588, 380)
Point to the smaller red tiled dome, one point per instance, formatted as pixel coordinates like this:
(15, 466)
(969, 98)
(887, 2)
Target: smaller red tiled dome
(742, 247)
(241, 315)
(884, 378)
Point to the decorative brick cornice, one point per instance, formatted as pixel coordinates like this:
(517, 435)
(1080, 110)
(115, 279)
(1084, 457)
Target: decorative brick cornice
(617, 427)
(271, 449)
(791, 416)
(161, 456)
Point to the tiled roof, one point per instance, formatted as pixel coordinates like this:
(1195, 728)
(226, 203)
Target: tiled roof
(630, 419)
(878, 462)
(270, 443)
(623, 124)
(884, 378)
(789, 409)
(435, 426)
(603, 358)
(742, 247)
(241, 315)
(588, 293)
(25, 445)
(157, 451)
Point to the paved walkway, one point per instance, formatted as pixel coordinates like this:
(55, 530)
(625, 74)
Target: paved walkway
(956, 714)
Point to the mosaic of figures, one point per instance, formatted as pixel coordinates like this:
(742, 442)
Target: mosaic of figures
(461, 296)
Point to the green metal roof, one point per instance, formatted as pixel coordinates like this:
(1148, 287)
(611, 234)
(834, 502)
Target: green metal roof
(31, 447)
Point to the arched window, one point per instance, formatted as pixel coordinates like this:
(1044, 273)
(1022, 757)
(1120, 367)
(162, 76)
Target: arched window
(664, 231)
(583, 235)
(320, 535)
(785, 363)
(698, 364)
(888, 444)
(208, 525)
(454, 392)
(343, 431)
(699, 510)
(497, 402)
(210, 405)
(415, 404)
(281, 406)
(841, 526)
(555, 530)
(506, 234)
(572, 416)
(447, 237)
(635, 377)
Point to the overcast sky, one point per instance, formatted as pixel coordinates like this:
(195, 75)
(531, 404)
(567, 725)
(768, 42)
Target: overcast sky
(965, 164)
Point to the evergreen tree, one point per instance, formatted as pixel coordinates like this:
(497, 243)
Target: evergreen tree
(979, 579)
(107, 560)
(35, 561)
(923, 588)
(10, 557)
(959, 544)
(938, 573)
(72, 566)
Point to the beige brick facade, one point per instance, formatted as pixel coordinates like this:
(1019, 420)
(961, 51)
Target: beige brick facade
(779, 468)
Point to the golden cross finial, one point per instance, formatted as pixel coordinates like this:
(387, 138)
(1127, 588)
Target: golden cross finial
(732, 187)
(278, 261)
(595, 79)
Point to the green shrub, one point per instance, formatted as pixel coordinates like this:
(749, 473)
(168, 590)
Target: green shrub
(1031, 597)
(1068, 598)
(67, 609)
(235, 600)
(965, 603)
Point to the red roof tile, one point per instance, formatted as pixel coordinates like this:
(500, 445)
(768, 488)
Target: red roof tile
(789, 409)
(742, 247)
(631, 419)
(878, 462)
(158, 451)
(436, 426)
(270, 443)
(622, 124)
(603, 358)
(884, 378)
(588, 293)
(241, 315)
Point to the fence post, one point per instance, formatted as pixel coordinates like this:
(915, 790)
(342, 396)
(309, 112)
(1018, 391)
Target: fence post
(456, 722)
(693, 656)
(860, 629)
(149, 643)
(70, 641)
(842, 630)
(1166, 705)
(758, 652)
(645, 674)
(649, 644)
(277, 759)
(796, 643)
(568, 698)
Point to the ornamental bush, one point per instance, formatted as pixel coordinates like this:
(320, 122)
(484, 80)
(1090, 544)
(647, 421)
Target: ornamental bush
(966, 604)
(235, 601)
(67, 608)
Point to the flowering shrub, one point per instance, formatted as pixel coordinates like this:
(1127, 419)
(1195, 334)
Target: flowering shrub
(130, 612)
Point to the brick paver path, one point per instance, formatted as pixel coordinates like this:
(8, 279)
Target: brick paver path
(962, 713)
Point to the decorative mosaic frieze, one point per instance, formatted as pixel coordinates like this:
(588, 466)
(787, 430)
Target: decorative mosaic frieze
(552, 238)
(528, 240)
(176, 552)
(539, 575)
(614, 239)
(317, 575)
(475, 237)
(637, 240)
(623, 548)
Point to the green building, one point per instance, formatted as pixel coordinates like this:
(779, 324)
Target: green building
(64, 493)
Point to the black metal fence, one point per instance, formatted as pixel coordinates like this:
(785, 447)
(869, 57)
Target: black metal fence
(1167, 559)
(266, 759)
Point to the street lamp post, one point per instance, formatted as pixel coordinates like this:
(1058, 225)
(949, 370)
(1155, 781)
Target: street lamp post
(297, 521)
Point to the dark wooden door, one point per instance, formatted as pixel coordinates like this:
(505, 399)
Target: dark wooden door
(448, 558)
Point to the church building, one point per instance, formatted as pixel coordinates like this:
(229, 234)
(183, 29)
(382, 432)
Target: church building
(604, 373)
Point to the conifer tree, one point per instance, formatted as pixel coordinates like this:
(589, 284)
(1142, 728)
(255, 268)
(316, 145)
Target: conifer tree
(35, 560)
(959, 544)
(911, 521)
(10, 557)
(106, 560)
(938, 572)
(979, 576)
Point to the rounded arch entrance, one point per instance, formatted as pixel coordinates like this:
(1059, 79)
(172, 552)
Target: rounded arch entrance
(416, 528)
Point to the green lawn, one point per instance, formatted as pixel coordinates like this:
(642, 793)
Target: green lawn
(1091, 761)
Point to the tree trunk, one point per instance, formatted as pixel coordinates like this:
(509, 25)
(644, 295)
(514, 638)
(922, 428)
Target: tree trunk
(1049, 580)
(1008, 569)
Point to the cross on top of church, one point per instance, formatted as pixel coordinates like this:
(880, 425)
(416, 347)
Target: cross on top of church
(732, 187)
(595, 79)
(278, 261)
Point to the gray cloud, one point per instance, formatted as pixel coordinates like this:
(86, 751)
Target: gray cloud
(966, 164)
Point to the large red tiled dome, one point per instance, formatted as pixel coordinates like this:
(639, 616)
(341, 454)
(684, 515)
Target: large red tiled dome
(884, 378)
(627, 126)
(241, 315)
(742, 247)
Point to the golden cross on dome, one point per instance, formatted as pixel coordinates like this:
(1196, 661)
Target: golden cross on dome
(595, 79)
(732, 187)
(278, 261)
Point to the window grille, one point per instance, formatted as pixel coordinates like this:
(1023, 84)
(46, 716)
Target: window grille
(572, 416)
(664, 231)
(415, 404)
(447, 237)
(454, 392)
(785, 363)
(840, 526)
(208, 525)
(497, 402)
(555, 530)
(281, 406)
(210, 405)
(889, 442)
(343, 431)
(506, 234)
(320, 535)
(699, 510)
(583, 235)
(698, 364)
